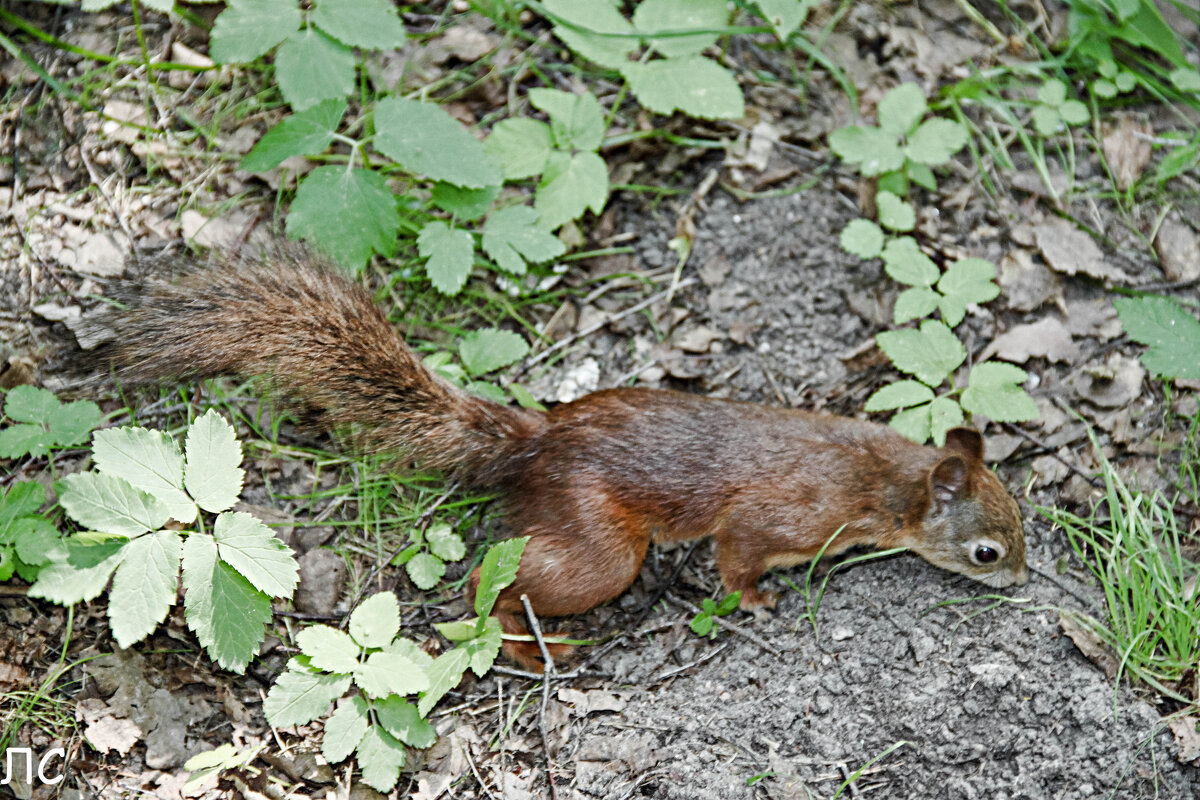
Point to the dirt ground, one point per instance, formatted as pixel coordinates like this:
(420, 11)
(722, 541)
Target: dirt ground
(970, 694)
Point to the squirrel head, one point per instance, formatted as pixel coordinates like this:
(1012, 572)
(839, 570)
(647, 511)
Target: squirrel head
(972, 525)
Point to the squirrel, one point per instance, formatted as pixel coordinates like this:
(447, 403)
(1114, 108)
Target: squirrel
(592, 481)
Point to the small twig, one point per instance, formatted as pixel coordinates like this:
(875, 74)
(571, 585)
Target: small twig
(536, 629)
(853, 790)
(673, 672)
(729, 626)
(1095, 482)
(474, 770)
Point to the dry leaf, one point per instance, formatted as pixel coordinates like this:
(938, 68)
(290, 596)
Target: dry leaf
(1178, 249)
(1047, 338)
(1071, 251)
(1093, 318)
(696, 340)
(1027, 284)
(1112, 384)
(583, 703)
(1085, 638)
(1127, 153)
(1187, 737)
(100, 255)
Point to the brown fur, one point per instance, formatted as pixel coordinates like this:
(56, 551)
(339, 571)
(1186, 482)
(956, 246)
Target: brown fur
(592, 481)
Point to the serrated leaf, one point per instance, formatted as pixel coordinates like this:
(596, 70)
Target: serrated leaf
(425, 140)
(450, 253)
(915, 303)
(484, 647)
(936, 141)
(72, 422)
(894, 213)
(23, 499)
(250, 547)
(499, 569)
(402, 720)
(862, 238)
(310, 67)
(19, 440)
(1053, 92)
(921, 175)
(308, 132)
(248, 28)
(445, 673)
(994, 390)
(30, 404)
(489, 349)
(376, 621)
(875, 151)
(584, 18)
(445, 543)
(571, 185)
(465, 204)
(344, 729)
(521, 147)
(901, 108)
(905, 263)
(112, 505)
(369, 24)
(329, 649)
(425, 570)
(900, 394)
(37, 541)
(1074, 112)
(944, 414)
(151, 461)
(410, 650)
(513, 236)
(211, 472)
(359, 200)
(227, 614)
(576, 120)
(931, 353)
(785, 16)
(913, 423)
(79, 572)
(301, 695)
(968, 280)
(390, 673)
(1171, 334)
(380, 757)
(144, 586)
(695, 85)
(1046, 120)
(659, 16)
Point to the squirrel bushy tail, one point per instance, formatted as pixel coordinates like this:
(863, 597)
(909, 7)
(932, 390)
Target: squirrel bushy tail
(326, 345)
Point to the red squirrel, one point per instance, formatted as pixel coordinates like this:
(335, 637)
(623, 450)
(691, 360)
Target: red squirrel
(593, 481)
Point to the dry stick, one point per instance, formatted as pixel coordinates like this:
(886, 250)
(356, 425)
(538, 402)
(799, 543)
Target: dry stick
(474, 771)
(671, 673)
(738, 629)
(548, 676)
(1095, 482)
(853, 790)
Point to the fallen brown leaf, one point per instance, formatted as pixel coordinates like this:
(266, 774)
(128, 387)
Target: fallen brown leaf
(1085, 638)
(1071, 251)
(1127, 153)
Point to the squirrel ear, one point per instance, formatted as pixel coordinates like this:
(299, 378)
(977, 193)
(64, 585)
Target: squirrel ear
(949, 479)
(966, 442)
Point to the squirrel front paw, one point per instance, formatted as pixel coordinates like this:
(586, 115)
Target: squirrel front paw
(752, 598)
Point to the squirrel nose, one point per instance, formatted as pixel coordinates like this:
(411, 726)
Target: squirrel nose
(1022, 577)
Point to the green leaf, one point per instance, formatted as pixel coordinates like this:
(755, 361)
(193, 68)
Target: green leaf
(308, 132)
(901, 109)
(913, 423)
(20, 440)
(410, 650)
(484, 648)
(873, 149)
(1171, 334)
(570, 185)
(921, 175)
(361, 202)
(425, 570)
(250, 547)
(459, 631)
(944, 414)
(584, 18)
(300, 695)
(151, 461)
(144, 586)
(376, 621)
(390, 673)
(499, 569)
(576, 120)
(702, 624)
(785, 16)
(212, 475)
(1185, 79)
(489, 349)
(894, 213)
(227, 614)
(513, 236)
(936, 141)
(23, 499)
(344, 729)
(445, 673)
(30, 404)
(931, 353)
(968, 280)
(1046, 120)
(425, 140)
(994, 390)
(900, 394)
(1052, 93)
(728, 604)
(402, 720)
(450, 253)
(1177, 162)
(79, 572)
(369, 24)
(37, 541)
(329, 649)
(72, 422)
(465, 204)
(521, 147)
(905, 263)
(112, 505)
(381, 757)
(1104, 89)
(445, 543)
(695, 85)
(248, 28)
(915, 303)
(8, 563)
(659, 16)
(862, 238)
(310, 68)
(1074, 112)
(524, 398)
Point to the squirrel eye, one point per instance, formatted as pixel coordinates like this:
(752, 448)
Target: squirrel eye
(986, 555)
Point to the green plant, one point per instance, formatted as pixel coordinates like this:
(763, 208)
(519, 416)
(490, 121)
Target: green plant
(1171, 335)
(230, 570)
(212, 762)
(375, 720)
(27, 539)
(704, 623)
(425, 559)
(39, 422)
(1055, 111)
(482, 351)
